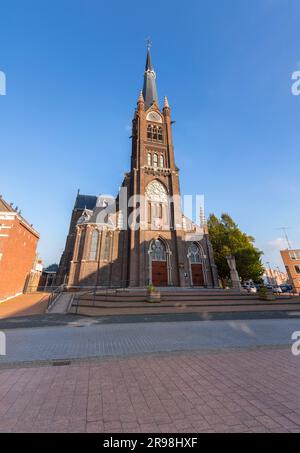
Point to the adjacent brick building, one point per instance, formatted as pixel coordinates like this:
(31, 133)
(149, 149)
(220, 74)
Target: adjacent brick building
(134, 241)
(18, 243)
(291, 260)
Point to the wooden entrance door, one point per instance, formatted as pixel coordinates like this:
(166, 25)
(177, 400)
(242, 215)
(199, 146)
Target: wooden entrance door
(197, 275)
(159, 273)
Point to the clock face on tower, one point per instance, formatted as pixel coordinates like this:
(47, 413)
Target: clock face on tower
(157, 192)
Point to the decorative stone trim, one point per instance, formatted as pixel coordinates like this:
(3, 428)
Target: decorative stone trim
(156, 171)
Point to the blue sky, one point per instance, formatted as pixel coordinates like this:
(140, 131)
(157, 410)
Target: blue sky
(74, 69)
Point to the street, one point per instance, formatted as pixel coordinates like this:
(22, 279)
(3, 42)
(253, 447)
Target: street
(82, 339)
(209, 376)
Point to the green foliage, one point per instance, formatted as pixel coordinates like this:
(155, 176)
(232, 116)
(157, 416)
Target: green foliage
(228, 239)
(263, 292)
(151, 289)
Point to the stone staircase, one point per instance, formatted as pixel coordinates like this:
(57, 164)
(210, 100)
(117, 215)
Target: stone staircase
(173, 294)
(173, 300)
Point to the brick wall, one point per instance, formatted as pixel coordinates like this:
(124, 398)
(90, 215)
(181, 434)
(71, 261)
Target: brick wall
(18, 242)
(291, 260)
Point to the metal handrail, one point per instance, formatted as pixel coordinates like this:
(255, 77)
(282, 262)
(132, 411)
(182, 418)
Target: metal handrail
(54, 295)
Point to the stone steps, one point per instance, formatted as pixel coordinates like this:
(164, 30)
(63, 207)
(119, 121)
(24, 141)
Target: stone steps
(166, 294)
(167, 297)
(173, 299)
(203, 310)
(123, 301)
(204, 303)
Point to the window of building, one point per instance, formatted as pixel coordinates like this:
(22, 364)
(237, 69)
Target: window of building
(154, 116)
(149, 213)
(106, 247)
(149, 159)
(81, 246)
(158, 251)
(94, 245)
(160, 134)
(149, 132)
(161, 161)
(194, 254)
(159, 211)
(297, 269)
(295, 255)
(154, 133)
(155, 160)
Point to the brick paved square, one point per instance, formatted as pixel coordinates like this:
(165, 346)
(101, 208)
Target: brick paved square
(235, 391)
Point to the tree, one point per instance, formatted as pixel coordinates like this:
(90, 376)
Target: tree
(228, 239)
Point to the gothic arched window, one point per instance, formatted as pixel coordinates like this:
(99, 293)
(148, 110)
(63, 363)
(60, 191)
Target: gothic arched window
(81, 246)
(158, 205)
(149, 132)
(158, 251)
(159, 211)
(195, 254)
(161, 161)
(94, 245)
(155, 160)
(160, 134)
(106, 247)
(149, 159)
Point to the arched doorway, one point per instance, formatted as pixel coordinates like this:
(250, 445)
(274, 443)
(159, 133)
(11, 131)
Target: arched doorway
(195, 256)
(158, 262)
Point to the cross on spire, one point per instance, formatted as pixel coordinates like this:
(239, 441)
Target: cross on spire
(149, 43)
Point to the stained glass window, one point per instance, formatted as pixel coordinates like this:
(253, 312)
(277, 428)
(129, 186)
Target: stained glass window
(158, 251)
(194, 254)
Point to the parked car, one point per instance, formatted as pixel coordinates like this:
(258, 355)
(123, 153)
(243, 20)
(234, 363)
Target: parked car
(286, 288)
(250, 287)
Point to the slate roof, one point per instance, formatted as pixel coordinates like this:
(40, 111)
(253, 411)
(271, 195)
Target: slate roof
(85, 201)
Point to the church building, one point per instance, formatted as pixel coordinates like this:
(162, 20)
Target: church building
(141, 237)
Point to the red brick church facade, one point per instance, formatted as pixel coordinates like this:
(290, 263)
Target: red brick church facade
(142, 236)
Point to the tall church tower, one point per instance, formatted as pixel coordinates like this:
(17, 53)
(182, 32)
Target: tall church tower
(158, 251)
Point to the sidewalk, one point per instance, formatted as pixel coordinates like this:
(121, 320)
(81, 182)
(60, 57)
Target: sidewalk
(24, 305)
(239, 391)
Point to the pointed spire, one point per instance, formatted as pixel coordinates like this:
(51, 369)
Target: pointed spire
(149, 89)
(148, 66)
(202, 216)
(166, 103)
(141, 97)
(203, 221)
(141, 101)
